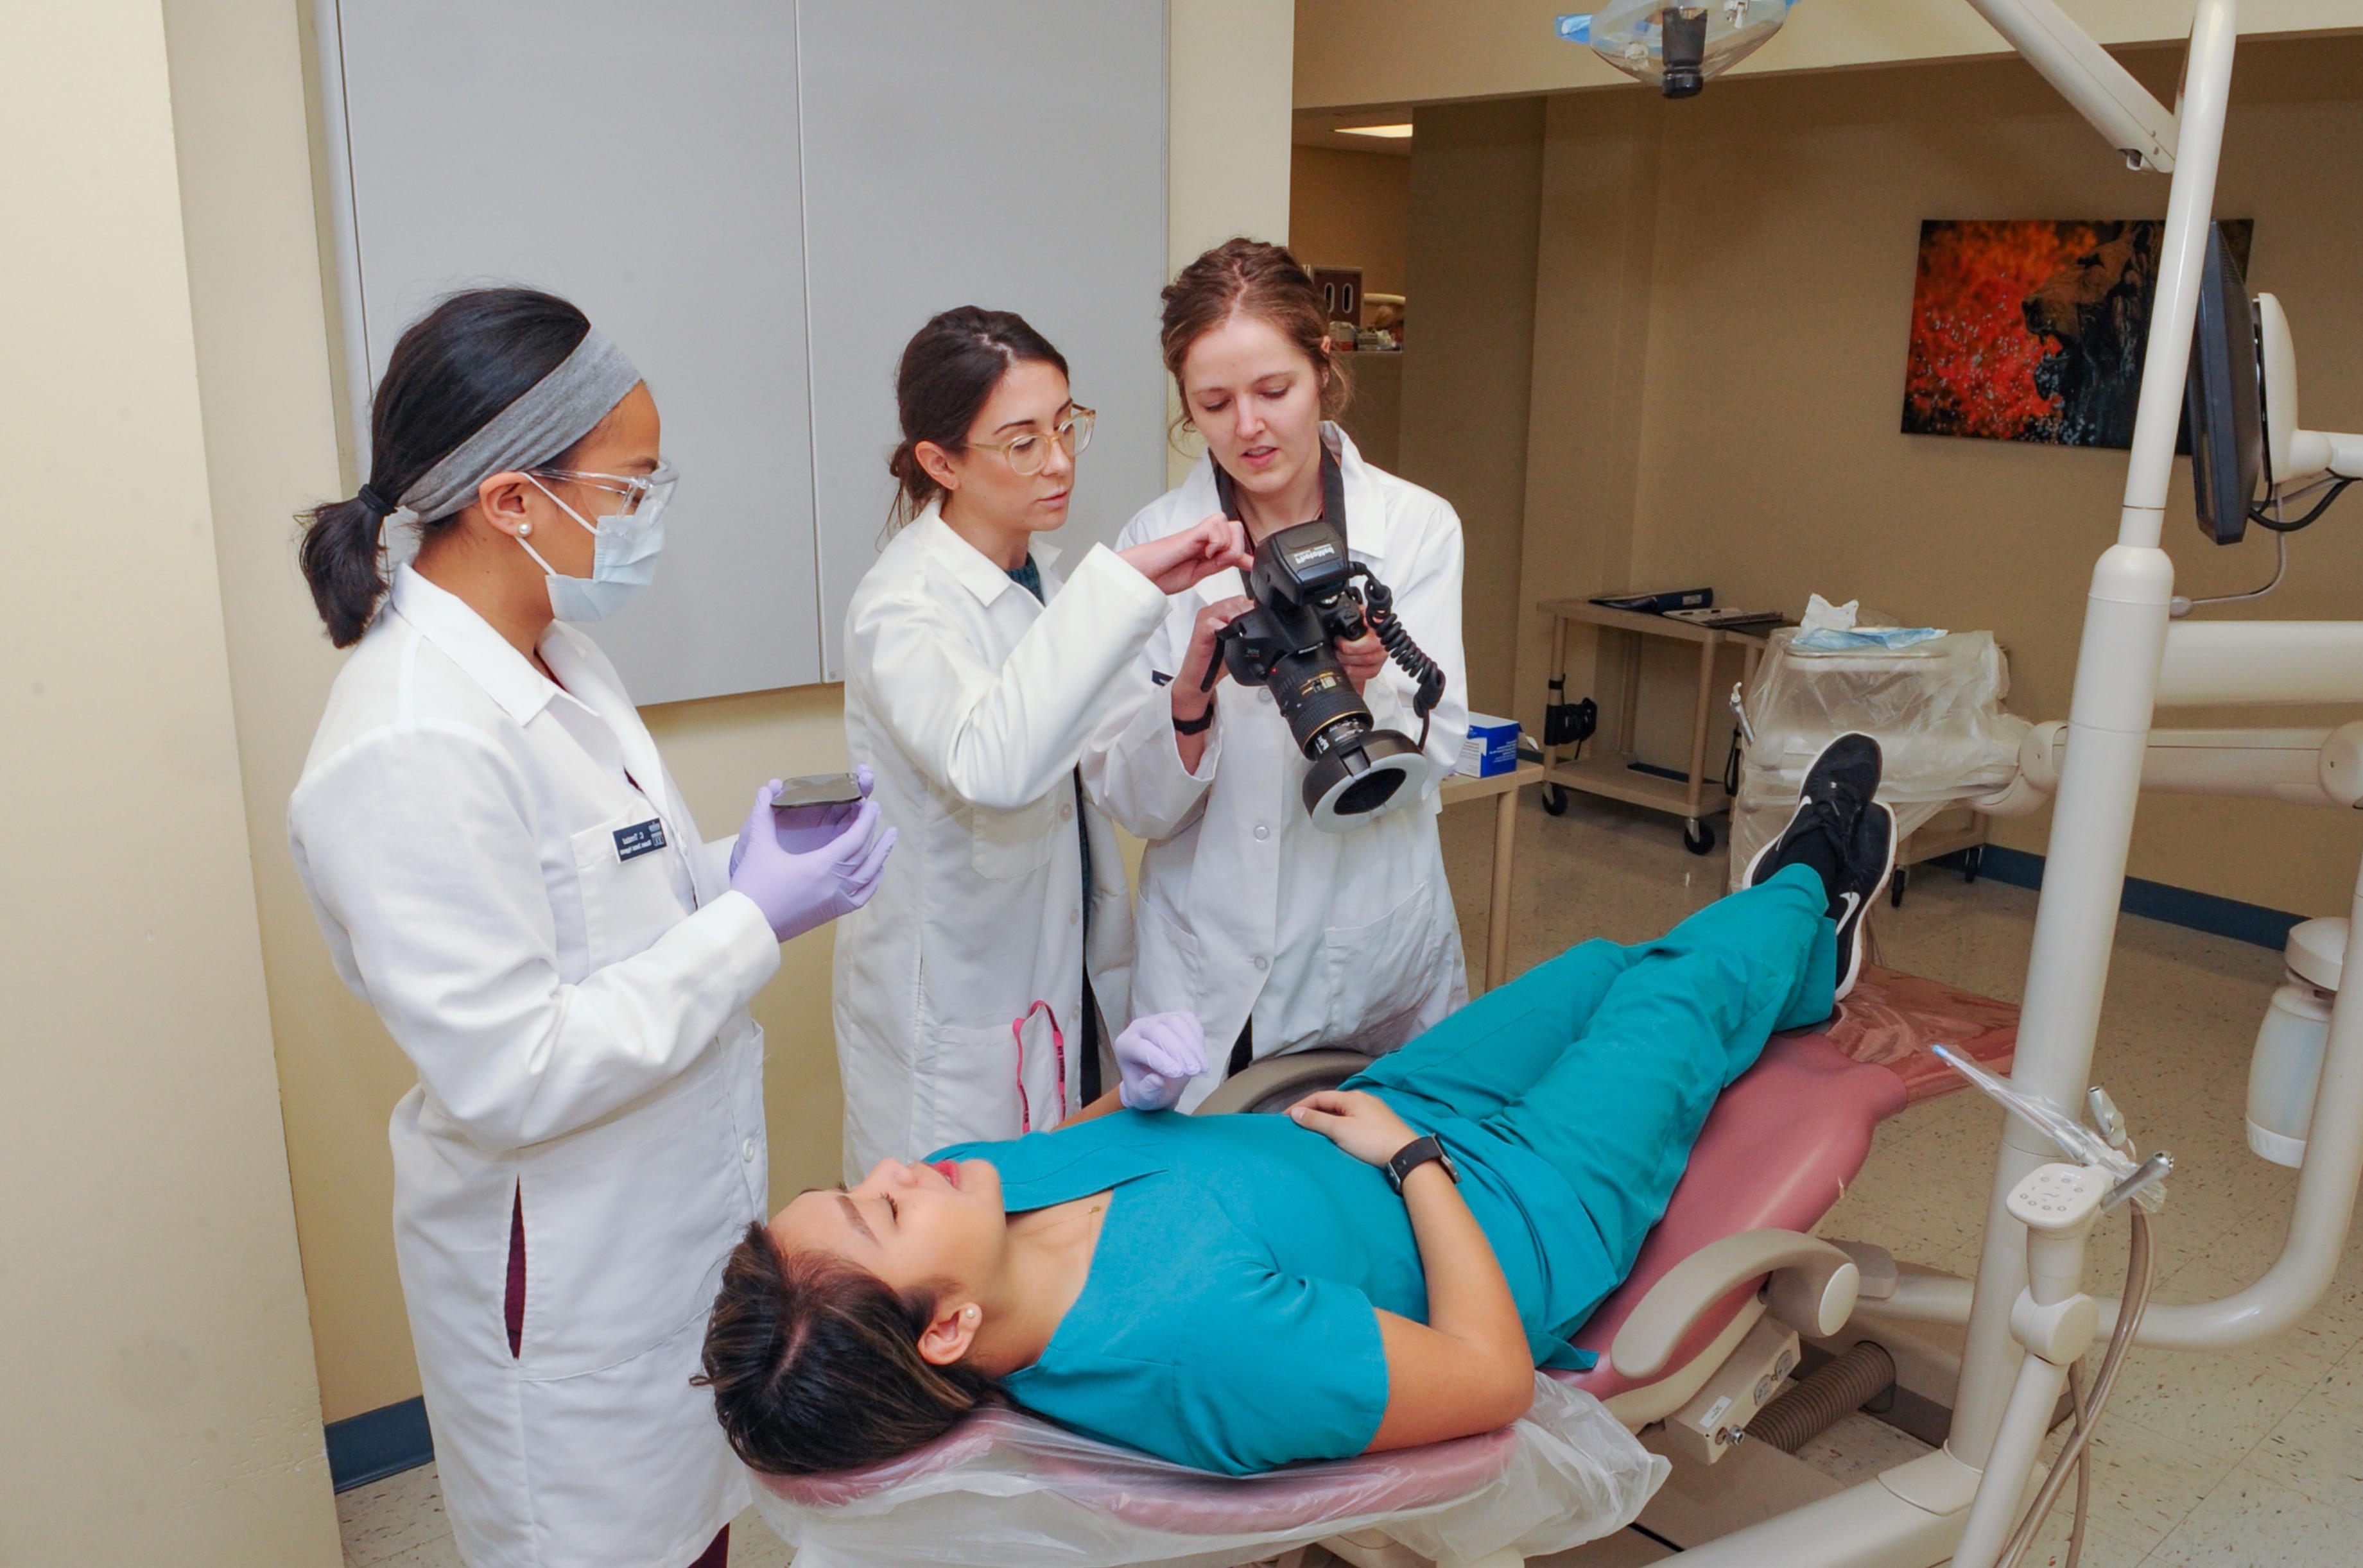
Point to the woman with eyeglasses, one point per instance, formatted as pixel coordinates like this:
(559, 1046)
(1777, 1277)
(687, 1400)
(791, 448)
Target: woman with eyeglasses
(965, 994)
(504, 869)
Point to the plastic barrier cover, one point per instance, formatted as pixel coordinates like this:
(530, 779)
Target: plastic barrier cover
(1005, 1490)
(1934, 708)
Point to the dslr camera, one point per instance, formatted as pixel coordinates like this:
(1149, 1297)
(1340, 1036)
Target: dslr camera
(1306, 601)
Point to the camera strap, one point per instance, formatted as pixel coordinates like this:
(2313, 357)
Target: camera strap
(1333, 493)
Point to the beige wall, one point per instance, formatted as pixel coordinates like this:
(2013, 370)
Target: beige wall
(160, 1400)
(1351, 209)
(263, 370)
(1352, 52)
(1475, 181)
(1726, 289)
(1595, 261)
(1227, 124)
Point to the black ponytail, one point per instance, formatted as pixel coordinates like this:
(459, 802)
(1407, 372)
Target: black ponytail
(455, 368)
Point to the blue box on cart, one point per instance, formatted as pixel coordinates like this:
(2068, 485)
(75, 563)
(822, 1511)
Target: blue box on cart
(1492, 746)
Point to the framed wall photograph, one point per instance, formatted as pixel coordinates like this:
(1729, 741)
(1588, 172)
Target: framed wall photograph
(2033, 330)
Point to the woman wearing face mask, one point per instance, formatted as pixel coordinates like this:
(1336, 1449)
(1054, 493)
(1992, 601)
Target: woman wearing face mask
(504, 869)
(1284, 935)
(972, 674)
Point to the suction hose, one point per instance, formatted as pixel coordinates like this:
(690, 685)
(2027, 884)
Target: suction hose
(1819, 1402)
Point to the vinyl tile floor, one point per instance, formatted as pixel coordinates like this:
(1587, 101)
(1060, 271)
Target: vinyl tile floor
(2253, 1457)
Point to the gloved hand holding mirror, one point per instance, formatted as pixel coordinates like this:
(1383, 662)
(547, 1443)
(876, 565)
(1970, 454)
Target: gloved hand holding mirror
(809, 865)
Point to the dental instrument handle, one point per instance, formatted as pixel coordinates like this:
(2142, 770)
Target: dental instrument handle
(2140, 1185)
(2105, 1116)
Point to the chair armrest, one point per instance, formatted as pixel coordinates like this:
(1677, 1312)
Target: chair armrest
(1813, 1288)
(1275, 1083)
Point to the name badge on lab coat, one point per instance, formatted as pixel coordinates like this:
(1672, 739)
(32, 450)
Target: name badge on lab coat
(639, 839)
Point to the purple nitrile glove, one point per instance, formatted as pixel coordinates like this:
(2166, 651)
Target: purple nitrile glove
(803, 829)
(798, 891)
(1158, 1055)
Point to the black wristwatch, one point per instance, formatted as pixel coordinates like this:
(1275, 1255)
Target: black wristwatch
(1415, 1153)
(1197, 726)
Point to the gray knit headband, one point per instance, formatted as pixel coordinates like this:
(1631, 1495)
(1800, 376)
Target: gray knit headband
(547, 417)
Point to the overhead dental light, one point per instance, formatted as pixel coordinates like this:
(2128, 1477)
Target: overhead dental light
(1676, 48)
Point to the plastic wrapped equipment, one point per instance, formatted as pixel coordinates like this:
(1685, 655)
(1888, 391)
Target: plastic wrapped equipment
(1005, 1490)
(1630, 33)
(1934, 708)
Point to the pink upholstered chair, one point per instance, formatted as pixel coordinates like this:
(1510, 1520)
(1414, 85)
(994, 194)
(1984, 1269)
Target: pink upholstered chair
(1773, 1156)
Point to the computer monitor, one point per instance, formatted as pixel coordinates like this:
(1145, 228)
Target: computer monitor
(2220, 399)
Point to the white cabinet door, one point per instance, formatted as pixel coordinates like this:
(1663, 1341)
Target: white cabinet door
(640, 160)
(1010, 155)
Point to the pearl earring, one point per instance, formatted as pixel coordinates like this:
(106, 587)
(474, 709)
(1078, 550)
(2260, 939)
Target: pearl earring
(523, 529)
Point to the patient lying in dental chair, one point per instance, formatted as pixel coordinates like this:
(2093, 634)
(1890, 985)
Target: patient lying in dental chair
(1238, 1293)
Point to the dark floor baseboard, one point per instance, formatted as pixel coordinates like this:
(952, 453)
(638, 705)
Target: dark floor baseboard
(378, 1443)
(2157, 900)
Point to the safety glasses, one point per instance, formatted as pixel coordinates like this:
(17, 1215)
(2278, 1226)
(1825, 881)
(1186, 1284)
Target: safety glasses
(1031, 453)
(635, 489)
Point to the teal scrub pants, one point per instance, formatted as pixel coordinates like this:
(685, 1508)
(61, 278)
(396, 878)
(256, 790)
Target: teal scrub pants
(1603, 1062)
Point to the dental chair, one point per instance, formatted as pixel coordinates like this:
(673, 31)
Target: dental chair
(1703, 1330)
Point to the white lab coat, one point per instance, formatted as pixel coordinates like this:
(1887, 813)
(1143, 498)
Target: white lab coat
(579, 1024)
(1246, 908)
(970, 701)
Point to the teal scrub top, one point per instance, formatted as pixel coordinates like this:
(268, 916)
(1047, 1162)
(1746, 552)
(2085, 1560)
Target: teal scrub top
(1226, 1319)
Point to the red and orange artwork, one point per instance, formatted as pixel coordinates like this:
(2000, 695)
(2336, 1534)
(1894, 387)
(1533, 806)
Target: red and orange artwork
(2032, 331)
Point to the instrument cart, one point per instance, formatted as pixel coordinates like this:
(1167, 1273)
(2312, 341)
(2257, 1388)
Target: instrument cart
(1694, 797)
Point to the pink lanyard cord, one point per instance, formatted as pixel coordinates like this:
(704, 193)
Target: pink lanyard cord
(1058, 1050)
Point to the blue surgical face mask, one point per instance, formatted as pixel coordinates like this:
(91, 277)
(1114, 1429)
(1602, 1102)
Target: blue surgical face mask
(624, 554)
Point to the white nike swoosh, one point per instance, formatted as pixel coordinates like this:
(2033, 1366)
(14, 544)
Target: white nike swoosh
(1853, 902)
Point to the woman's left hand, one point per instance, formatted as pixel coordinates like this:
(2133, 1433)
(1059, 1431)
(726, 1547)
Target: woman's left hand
(800, 891)
(800, 830)
(1362, 658)
(1357, 1121)
(1156, 1056)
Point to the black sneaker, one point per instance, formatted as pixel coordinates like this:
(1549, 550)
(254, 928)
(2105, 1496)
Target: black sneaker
(1846, 834)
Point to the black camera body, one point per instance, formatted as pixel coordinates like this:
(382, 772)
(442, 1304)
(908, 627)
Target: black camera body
(1306, 603)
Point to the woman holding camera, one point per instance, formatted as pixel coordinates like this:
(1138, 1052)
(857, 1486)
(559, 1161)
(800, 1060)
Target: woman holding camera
(972, 677)
(1282, 935)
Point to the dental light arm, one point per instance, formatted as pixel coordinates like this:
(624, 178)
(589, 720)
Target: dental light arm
(1677, 45)
(2094, 85)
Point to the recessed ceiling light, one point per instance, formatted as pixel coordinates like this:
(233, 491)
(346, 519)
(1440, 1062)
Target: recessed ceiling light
(1392, 133)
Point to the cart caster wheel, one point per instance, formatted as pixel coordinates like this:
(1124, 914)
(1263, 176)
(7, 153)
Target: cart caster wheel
(1698, 838)
(1973, 860)
(1554, 799)
(1896, 884)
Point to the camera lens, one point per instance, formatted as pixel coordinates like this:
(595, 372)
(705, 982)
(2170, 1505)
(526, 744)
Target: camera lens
(1351, 784)
(1368, 794)
(1323, 710)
